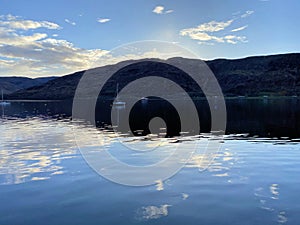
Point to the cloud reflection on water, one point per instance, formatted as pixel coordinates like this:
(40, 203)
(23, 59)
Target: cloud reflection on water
(33, 149)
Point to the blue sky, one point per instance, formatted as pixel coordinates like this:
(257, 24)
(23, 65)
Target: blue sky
(40, 38)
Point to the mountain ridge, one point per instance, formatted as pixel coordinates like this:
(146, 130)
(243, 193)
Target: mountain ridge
(249, 76)
(16, 83)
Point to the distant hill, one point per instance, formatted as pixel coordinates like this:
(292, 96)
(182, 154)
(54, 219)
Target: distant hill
(275, 74)
(13, 84)
(252, 76)
(55, 89)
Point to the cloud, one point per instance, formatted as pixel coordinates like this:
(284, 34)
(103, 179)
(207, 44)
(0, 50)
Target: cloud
(205, 38)
(169, 11)
(158, 9)
(247, 13)
(205, 43)
(239, 29)
(70, 22)
(36, 54)
(212, 26)
(232, 39)
(202, 36)
(103, 20)
(47, 56)
(9, 17)
(8, 37)
(161, 10)
(14, 22)
(216, 32)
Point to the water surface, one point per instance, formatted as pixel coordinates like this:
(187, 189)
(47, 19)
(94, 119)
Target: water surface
(253, 180)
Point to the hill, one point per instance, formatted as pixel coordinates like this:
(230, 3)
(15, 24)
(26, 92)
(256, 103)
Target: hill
(13, 84)
(252, 76)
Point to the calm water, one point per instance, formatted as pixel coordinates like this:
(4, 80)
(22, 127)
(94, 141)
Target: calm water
(253, 180)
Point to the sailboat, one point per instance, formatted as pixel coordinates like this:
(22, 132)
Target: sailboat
(144, 100)
(117, 102)
(2, 102)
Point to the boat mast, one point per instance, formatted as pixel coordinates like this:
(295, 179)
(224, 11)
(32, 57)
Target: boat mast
(117, 91)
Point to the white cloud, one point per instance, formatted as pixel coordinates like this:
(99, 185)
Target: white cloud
(247, 13)
(25, 53)
(169, 11)
(232, 39)
(36, 54)
(8, 17)
(48, 56)
(212, 26)
(70, 22)
(161, 10)
(158, 9)
(205, 43)
(239, 29)
(15, 22)
(202, 36)
(103, 20)
(215, 32)
(9, 38)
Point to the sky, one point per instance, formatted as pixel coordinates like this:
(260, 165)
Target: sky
(45, 38)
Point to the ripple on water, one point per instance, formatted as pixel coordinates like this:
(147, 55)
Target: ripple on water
(248, 176)
(32, 150)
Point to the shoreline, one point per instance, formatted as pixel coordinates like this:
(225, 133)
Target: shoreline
(194, 98)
